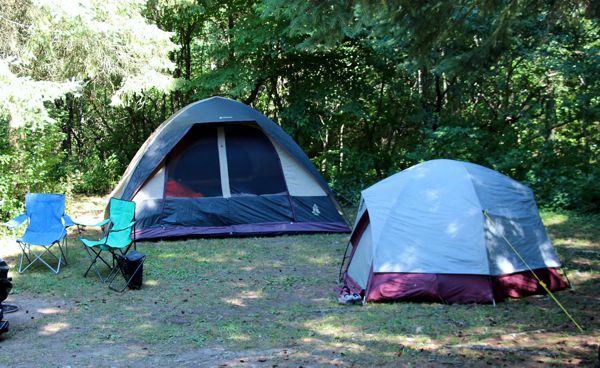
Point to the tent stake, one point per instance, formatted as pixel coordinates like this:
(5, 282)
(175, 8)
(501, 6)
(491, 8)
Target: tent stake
(491, 280)
(567, 277)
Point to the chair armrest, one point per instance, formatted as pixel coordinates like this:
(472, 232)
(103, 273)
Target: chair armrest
(128, 226)
(101, 223)
(68, 221)
(16, 222)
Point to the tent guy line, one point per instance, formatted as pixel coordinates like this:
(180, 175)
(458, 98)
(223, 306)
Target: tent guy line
(542, 283)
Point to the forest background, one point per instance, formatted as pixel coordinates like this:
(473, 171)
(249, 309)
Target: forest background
(367, 88)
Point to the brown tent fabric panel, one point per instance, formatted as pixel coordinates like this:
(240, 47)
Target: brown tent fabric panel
(460, 289)
(422, 287)
(520, 284)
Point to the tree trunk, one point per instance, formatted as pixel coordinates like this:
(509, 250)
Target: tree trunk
(341, 148)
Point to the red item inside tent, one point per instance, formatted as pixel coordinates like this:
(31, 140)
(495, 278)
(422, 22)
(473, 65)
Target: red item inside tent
(175, 189)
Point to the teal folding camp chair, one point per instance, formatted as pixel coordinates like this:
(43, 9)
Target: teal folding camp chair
(46, 232)
(117, 238)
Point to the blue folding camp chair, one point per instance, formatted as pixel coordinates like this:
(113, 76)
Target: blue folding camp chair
(47, 229)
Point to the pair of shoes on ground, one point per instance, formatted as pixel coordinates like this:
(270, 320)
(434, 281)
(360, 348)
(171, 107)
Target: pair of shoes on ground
(350, 299)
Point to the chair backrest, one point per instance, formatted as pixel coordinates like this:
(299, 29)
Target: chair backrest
(121, 213)
(45, 212)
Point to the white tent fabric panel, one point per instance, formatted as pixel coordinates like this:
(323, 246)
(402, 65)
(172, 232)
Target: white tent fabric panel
(499, 194)
(527, 235)
(362, 208)
(153, 189)
(438, 227)
(514, 216)
(300, 182)
(117, 192)
(430, 219)
(360, 264)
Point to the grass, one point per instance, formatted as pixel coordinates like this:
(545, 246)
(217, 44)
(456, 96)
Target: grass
(271, 302)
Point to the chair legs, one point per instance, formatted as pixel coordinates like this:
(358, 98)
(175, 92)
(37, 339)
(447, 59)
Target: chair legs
(95, 255)
(32, 257)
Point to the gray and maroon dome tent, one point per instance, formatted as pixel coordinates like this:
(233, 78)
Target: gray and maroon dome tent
(219, 167)
(449, 231)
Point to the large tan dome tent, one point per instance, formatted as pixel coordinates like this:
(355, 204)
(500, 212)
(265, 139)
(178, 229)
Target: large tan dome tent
(449, 231)
(219, 167)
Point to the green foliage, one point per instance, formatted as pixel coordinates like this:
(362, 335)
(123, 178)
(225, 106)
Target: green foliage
(50, 48)
(504, 84)
(567, 188)
(365, 90)
(95, 175)
(33, 164)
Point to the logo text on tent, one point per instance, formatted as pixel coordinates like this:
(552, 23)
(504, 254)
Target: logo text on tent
(225, 117)
(315, 210)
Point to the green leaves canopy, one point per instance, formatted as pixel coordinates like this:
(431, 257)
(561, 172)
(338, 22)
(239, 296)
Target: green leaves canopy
(365, 88)
(49, 48)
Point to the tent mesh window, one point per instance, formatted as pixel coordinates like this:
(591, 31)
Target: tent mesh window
(253, 164)
(193, 165)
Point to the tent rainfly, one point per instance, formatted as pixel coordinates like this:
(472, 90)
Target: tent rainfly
(219, 167)
(440, 232)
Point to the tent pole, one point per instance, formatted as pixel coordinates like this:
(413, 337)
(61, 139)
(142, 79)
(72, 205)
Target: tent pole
(343, 261)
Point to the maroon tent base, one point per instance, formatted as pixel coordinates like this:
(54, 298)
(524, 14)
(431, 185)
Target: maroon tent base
(460, 289)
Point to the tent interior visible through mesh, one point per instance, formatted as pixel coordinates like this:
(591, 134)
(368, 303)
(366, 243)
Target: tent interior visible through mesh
(253, 167)
(193, 166)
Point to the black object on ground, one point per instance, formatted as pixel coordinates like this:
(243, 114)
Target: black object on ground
(131, 266)
(9, 308)
(5, 287)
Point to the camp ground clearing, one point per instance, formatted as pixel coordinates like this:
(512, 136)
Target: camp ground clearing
(271, 301)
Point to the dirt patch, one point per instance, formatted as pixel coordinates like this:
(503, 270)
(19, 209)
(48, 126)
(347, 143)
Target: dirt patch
(42, 326)
(36, 314)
